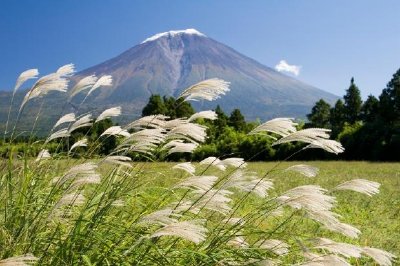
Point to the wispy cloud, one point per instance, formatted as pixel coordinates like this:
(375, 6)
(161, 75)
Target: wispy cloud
(283, 66)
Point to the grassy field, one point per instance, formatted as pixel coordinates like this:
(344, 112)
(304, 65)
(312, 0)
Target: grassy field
(378, 217)
(87, 233)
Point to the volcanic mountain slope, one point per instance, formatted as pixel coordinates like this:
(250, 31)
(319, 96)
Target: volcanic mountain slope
(169, 62)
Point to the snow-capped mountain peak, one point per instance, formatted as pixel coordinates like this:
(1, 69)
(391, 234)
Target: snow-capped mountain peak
(173, 33)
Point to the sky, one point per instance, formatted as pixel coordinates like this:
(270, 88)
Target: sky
(322, 43)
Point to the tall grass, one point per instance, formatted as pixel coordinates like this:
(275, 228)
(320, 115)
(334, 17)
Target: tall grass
(56, 210)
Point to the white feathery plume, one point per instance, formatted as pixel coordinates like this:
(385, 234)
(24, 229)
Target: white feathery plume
(84, 121)
(308, 135)
(65, 119)
(278, 247)
(211, 115)
(116, 131)
(322, 260)
(80, 170)
(344, 249)
(152, 121)
(381, 257)
(62, 133)
(71, 199)
(199, 182)
(192, 131)
(143, 141)
(360, 185)
(110, 112)
(84, 180)
(238, 242)
(24, 76)
(190, 230)
(66, 70)
(80, 143)
(213, 161)
(180, 146)
(234, 162)
(187, 167)
(328, 145)
(214, 199)
(280, 126)
(248, 183)
(43, 154)
(170, 124)
(162, 217)
(51, 82)
(82, 85)
(22, 260)
(209, 90)
(103, 81)
(119, 160)
(307, 170)
(118, 203)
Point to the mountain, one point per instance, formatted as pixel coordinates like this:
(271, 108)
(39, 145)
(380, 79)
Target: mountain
(169, 62)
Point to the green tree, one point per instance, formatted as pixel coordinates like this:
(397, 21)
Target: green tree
(370, 109)
(320, 114)
(237, 121)
(352, 103)
(337, 117)
(154, 106)
(389, 107)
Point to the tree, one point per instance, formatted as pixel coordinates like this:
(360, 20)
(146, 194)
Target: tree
(154, 106)
(389, 107)
(320, 114)
(370, 109)
(352, 103)
(337, 117)
(237, 121)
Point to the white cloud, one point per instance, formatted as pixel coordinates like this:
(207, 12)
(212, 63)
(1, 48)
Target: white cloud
(283, 66)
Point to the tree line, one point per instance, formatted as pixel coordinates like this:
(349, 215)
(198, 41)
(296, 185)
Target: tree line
(368, 130)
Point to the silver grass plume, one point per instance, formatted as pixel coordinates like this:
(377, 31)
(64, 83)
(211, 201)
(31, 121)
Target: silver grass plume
(211, 115)
(110, 112)
(213, 161)
(175, 146)
(280, 126)
(81, 170)
(73, 199)
(321, 260)
(238, 242)
(62, 133)
(43, 154)
(190, 131)
(248, 183)
(66, 70)
(119, 160)
(189, 230)
(278, 247)
(209, 90)
(381, 257)
(198, 182)
(151, 121)
(116, 131)
(234, 162)
(234, 221)
(83, 84)
(328, 145)
(84, 121)
(103, 81)
(214, 199)
(65, 119)
(344, 249)
(162, 217)
(170, 124)
(24, 76)
(367, 187)
(306, 170)
(52, 82)
(22, 260)
(80, 143)
(187, 167)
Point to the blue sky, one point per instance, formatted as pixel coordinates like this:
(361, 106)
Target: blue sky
(331, 40)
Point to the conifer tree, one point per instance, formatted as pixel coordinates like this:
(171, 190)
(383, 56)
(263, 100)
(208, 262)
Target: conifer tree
(320, 114)
(352, 103)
